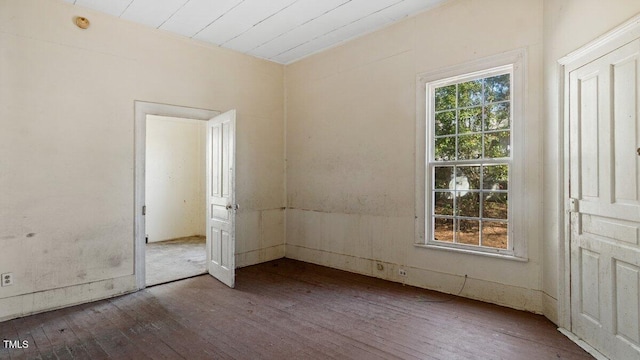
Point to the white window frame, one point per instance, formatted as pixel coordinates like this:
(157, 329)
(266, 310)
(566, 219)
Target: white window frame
(513, 63)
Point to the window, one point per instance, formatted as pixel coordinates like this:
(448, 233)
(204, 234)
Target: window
(471, 122)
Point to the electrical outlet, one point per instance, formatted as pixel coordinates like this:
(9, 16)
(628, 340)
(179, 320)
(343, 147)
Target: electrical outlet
(402, 272)
(7, 279)
(379, 266)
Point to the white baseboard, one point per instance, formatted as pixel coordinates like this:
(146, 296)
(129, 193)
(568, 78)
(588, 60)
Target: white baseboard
(41, 301)
(259, 256)
(550, 307)
(588, 348)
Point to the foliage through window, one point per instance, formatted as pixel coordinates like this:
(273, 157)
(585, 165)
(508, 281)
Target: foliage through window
(470, 160)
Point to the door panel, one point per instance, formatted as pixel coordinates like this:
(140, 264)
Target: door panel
(605, 256)
(589, 164)
(625, 129)
(221, 205)
(590, 268)
(214, 159)
(627, 305)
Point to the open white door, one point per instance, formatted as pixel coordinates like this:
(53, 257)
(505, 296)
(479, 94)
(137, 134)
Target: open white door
(604, 99)
(221, 206)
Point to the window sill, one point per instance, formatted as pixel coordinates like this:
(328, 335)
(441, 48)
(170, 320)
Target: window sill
(473, 252)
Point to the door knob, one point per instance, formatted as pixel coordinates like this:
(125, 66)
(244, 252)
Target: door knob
(638, 151)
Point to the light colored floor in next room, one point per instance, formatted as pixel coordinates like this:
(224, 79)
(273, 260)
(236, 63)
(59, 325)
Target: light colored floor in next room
(175, 259)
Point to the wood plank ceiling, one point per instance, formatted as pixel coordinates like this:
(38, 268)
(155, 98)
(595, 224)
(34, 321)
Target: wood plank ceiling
(282, 31)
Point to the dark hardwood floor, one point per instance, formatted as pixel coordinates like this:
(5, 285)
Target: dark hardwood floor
(287, 309)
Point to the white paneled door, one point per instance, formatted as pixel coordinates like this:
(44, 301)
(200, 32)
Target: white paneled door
(605, 202)
(221, 206)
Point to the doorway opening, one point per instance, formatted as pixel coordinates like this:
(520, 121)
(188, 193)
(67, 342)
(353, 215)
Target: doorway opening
(175, 203)
(169, 206)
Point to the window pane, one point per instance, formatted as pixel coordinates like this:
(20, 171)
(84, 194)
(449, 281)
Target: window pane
(468, 232)
(494, 234)
(495, 205)
(445, 149)
(495, 177)
(470, 120)
(446, 123)
(468, 176)
(443, 203)
(443, 229)
(497, 88)
(470, 93)
(460, 183)
(468, 205)
(469, 146)
(497, 145)
(446, 97)
(497, 116)
(442, 177)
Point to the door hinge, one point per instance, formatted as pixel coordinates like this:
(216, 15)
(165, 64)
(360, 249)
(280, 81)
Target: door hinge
(573, 205)
(144, 210)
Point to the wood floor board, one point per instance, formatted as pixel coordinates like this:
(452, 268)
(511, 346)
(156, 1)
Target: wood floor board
(329, 280)
(82, 323)
(262, 337)
(354, 313)
(183, 342)
(29, 329)
(287, 309)
(62, 338)
(481, 320)
(110, 336)
(302, 331)
(296, 334)
(350, 328)
(272, 294)
(6, 332)
(200, 315)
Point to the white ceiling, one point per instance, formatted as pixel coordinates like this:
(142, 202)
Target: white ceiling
(278, 30)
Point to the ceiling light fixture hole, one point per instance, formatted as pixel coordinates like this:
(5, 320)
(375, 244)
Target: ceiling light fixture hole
(82, 22)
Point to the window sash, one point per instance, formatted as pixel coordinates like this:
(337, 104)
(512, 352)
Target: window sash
(430, 190)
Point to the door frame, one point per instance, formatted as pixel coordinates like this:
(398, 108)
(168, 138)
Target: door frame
(612, 40)
(141, 110)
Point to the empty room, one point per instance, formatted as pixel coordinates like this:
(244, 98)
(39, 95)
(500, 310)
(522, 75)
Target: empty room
(342, 179)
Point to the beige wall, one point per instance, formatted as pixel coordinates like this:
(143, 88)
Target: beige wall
(66, 173)
(351, 129)
(175, 176)
(568, 25)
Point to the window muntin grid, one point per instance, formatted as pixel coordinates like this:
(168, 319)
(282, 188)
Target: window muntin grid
(470, 161)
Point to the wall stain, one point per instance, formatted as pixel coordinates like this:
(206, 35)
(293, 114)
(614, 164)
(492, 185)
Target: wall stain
(82, 275)
(29, 235)
(115, 260)
(7, 237)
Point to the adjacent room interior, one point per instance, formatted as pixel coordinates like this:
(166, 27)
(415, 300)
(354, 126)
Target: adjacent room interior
(391, 161)
(175, 212)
